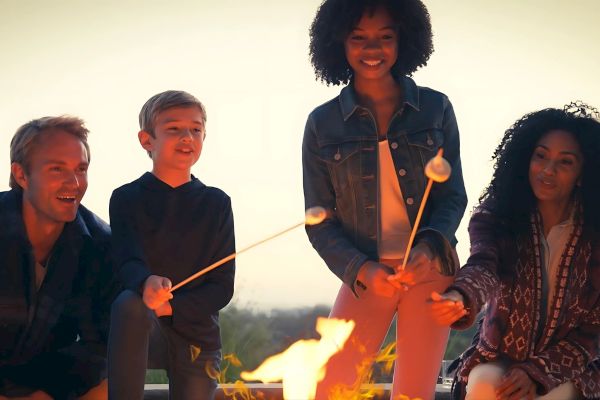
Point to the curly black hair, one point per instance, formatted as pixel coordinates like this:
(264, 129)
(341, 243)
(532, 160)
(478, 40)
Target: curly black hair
(510, 194)
(335, 19)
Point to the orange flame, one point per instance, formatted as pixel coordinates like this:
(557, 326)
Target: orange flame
(236, 391)
(364, 388)
(302, 365)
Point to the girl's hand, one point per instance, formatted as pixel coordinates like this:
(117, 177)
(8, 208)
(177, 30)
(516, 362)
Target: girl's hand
(447, 308)
(516, 385)
(420, 262)
(375, 277)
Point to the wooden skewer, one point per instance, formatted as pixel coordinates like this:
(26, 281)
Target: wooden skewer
(312, 216)
(418, 219)
(231, 257)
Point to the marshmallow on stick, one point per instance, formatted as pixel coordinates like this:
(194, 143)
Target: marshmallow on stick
(437, 170)
(312, 216)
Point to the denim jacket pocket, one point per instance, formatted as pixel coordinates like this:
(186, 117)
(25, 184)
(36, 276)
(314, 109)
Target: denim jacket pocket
(427, 142)
(343, 161)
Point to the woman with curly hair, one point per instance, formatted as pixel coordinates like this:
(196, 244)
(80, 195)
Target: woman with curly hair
(364, 154)
(535, 262)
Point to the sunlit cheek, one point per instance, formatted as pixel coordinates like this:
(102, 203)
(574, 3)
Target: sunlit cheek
(536, 166)
(533, 169)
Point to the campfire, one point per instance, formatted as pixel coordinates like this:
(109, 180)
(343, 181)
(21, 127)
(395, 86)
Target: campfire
(302, 365)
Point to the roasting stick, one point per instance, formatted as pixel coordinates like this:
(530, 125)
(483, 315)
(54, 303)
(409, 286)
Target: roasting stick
(313, 216)
(437, 170)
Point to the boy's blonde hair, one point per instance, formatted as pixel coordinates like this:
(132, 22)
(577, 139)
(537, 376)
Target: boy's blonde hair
(163, 101)
(28, 135)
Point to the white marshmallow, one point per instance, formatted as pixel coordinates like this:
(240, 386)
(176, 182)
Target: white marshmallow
(438, 169)
(315, 215)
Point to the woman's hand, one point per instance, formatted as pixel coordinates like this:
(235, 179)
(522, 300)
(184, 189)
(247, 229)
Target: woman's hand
(447, 308)
(516, 385)
(375, 277)
(420, 262)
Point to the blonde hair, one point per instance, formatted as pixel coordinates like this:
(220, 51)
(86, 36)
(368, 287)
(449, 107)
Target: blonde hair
(163, 101)
(28, 135)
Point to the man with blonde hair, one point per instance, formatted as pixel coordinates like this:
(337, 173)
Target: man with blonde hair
(55, 273)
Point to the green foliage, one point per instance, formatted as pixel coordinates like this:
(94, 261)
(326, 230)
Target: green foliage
(253, 336)
(156, 376)
(458, 342)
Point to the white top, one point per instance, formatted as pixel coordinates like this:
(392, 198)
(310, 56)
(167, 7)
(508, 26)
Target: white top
(553, 247)
(394, 225)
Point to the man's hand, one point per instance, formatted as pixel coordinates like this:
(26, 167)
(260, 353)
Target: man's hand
(420, 262)
(516, 385)
(156, 291)
(375, 277)
(447, 308)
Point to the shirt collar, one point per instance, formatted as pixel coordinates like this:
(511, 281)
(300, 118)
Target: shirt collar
(150, 181)
(349, 104)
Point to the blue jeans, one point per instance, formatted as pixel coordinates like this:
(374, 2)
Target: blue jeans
(138, 340)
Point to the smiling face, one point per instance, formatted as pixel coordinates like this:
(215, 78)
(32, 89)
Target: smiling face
(372, 46)
(555, 168)
(55, 179)
(177, 141)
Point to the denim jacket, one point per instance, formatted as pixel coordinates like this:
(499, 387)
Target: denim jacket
(340, 173)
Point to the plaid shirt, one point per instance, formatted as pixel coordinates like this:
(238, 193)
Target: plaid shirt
(70, 311)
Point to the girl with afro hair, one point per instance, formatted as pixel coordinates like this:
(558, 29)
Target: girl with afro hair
(364, 154)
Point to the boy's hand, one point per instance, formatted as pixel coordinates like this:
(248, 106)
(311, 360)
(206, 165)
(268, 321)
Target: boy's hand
(375, 277)
(164, 310)
(156, 291)
(420, 262)
(516, 385)
(447, 308)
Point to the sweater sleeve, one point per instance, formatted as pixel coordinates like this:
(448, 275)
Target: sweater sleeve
(214, 290)
(565, 360)
(127, 253)
(478, 278)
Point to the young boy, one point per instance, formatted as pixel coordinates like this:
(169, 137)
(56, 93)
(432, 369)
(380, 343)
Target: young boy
(167, 225)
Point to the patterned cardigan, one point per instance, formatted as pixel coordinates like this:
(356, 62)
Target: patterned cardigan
(506, 274)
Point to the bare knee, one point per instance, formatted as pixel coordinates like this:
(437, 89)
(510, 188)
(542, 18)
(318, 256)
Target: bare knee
(483, 380)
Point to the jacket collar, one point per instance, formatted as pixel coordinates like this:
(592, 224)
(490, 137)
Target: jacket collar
(349, 105)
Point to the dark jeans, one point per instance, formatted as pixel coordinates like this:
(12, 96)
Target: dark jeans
(139, 340)
(63, 375)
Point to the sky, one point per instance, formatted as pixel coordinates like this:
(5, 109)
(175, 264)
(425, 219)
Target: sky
(247, 61)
